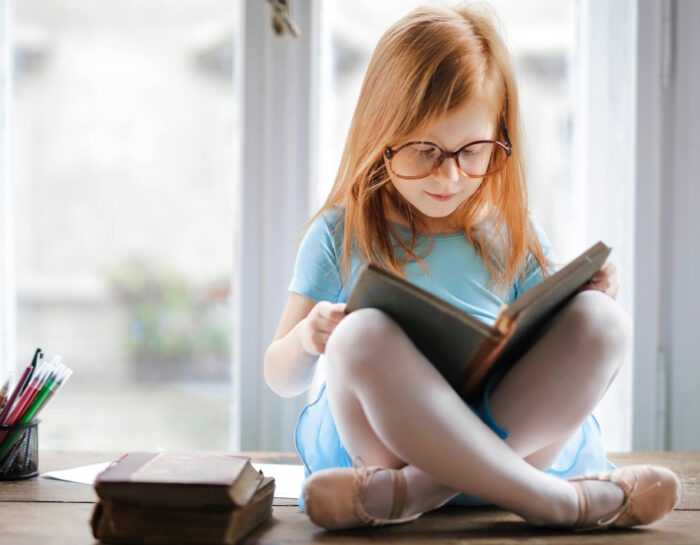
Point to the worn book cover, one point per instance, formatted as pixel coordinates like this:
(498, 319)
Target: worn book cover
(187, 480)
(115, 522)
(464, 349)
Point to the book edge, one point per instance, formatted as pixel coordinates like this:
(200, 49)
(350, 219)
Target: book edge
(521, 303)
(431, 299)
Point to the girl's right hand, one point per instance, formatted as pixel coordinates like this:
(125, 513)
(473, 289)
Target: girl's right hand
(318, 325)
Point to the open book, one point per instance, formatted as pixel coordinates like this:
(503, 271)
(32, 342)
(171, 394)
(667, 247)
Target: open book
(464, 349)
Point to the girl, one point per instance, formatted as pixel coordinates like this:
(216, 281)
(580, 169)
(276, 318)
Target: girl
(431, 185)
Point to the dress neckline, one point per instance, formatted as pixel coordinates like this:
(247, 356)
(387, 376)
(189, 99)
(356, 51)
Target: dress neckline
(424, 234)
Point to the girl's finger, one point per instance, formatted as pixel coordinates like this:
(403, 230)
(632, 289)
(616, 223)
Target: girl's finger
(586, 286)
(334, 312)
(604, 286)
(325, 324)
(602, 273)
(615, 291)
(319, 339)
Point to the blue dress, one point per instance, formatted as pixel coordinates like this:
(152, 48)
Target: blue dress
(457, 275)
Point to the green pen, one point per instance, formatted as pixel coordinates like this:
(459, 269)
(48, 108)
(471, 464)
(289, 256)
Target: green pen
(29, 413)
(56, 381)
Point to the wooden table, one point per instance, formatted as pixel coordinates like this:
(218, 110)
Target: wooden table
(42, 510)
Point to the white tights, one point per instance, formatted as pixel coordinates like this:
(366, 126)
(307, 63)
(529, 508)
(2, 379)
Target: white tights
(395, 410)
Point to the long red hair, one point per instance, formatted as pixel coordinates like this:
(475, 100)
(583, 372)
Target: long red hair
(432, 61)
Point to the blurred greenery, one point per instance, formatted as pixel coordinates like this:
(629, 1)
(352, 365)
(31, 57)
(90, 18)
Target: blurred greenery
(171, 321)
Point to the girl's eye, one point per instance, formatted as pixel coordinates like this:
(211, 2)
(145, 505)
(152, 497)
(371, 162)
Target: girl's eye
(474, 149)
(425, 150)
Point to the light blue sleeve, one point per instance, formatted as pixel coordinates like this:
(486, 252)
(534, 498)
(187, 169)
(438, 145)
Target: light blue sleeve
(533, 273)
(316, 270)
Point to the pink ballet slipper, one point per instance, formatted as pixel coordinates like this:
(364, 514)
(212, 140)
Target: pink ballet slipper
(650, 492)
(333, 497)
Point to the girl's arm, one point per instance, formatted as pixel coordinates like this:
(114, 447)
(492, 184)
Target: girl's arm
(290, 361)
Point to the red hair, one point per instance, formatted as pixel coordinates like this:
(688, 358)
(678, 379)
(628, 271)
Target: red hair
(433, 61)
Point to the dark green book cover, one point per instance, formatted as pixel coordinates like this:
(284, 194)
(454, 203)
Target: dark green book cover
(464, 349)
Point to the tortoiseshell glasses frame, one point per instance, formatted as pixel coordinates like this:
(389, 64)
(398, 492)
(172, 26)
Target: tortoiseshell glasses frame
(504, 148)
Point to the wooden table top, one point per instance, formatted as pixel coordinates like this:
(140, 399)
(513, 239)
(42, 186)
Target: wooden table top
(38, 510)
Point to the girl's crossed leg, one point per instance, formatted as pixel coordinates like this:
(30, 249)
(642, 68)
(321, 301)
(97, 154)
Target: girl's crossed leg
(393, 408)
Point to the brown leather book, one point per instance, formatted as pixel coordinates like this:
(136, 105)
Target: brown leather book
(464, 349)
(186, 480)
(114, 522)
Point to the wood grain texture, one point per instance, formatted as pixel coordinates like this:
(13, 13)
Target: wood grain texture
(46, 511)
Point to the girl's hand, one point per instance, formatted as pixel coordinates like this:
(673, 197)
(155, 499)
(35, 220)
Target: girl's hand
(318, 325)
(604, 280)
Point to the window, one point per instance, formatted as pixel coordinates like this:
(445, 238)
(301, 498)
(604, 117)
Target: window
(123, 175)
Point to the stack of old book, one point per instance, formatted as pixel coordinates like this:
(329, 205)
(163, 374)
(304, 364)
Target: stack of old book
(180, 498)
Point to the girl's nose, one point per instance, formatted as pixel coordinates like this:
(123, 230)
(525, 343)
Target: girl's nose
(448, 169)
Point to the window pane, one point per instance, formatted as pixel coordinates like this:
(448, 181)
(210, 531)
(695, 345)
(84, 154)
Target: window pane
(124, 181)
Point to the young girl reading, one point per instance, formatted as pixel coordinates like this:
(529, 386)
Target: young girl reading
(432, 185)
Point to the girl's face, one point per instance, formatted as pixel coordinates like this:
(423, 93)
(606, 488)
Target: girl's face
(439, 194)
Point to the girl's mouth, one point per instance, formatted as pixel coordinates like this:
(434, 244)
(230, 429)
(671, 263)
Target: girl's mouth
(442, 197)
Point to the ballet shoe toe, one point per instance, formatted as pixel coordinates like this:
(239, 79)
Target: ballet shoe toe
(650, 493)
(328, 499)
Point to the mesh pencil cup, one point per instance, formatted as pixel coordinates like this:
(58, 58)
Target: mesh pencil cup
(19, 451)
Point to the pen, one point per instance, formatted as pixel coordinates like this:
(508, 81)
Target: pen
(37, 353)
(15, 393)
(46, 396)
(60, 380)
(24, 399)
(3, 392)
(41, 395)
(29, 394)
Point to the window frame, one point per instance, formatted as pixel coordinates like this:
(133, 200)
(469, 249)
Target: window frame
(277, 85)
(8, 289)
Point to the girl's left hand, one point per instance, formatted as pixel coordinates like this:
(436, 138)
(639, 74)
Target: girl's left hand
(604, 280)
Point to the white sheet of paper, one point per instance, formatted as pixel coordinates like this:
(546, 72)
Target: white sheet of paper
(82, 474)
(288, 477)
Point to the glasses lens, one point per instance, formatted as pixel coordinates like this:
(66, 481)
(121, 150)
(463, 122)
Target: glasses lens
(415, 160)
(481, 158)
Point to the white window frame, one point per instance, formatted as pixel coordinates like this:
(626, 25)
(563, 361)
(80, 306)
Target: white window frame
(604, 122)
(667, 260)
(277, 85)
(8, 298)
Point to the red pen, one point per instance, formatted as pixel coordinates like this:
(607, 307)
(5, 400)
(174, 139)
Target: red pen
(15, 392)
(29, 394)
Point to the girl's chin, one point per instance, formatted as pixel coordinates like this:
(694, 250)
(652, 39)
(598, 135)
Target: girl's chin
(439, 209)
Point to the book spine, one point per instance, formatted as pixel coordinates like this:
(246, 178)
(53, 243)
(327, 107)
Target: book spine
(503, 323)
(480, 365)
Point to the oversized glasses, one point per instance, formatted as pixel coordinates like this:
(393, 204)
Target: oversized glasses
(415, 160)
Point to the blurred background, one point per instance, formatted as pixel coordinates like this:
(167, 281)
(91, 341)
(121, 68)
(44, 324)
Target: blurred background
(147, 151)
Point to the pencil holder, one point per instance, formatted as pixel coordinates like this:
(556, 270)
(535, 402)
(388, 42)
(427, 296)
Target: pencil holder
(19, 451)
